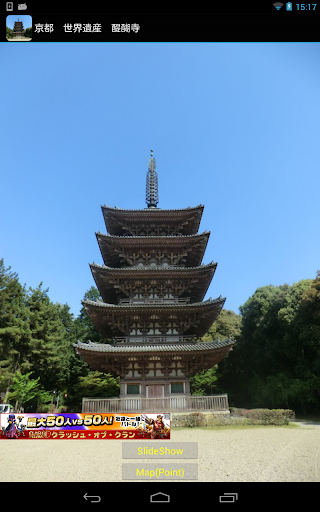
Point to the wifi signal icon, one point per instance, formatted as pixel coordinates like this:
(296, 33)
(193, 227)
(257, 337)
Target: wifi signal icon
(278, 5)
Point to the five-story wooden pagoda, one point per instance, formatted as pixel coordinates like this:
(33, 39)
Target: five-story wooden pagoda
(18, 30)
(153, 283)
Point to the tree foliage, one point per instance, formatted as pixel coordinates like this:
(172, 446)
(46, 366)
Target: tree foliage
(204, 382)
(276, 362)
(9, 33)
(24, 389)
(36, 338)
(227, 325)
(86, 330)
(15, 331)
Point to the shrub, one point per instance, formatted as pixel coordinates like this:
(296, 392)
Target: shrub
(262, 416)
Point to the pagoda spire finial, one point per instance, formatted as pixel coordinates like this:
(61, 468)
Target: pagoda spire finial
(152, 198)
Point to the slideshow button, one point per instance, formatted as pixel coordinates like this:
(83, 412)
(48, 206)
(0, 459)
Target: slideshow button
(159, 450)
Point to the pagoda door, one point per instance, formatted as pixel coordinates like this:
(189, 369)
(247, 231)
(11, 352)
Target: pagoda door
(155, 391)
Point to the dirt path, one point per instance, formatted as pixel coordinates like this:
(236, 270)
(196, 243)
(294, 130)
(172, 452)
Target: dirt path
(264, 454)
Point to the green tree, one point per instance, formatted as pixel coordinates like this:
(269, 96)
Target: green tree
(15, 331)
(28, 32)
(95, 384)
(76, 365)
(50, 348)
(204, 382)
(276, 361)
(302, 346)
(37, 337)
(24, 389)
(227, 325)
(9, 33)
(85, 329)
(83, 381)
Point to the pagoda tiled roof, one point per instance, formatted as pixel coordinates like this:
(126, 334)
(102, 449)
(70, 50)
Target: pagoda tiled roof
(116, 209)
(110, 319)
(197, 244)
(201, 346)
(118, 220)
(156, 268)
(199, 279)
(100, 304)
(146, 238)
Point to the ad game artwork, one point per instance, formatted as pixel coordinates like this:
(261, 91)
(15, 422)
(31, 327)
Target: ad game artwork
(85, 426)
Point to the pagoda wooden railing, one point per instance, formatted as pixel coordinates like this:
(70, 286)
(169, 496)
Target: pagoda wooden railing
(154, 301)
(154, 339)
(166, 404)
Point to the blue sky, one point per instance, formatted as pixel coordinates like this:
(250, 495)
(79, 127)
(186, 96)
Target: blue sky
(233, 126)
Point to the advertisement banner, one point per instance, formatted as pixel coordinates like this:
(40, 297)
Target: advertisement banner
(85, 426)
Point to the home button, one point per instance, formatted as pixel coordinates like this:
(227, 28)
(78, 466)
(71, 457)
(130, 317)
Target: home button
(160, 497)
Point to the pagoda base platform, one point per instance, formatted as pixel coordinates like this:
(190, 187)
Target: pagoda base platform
(18, 39)
(213, 403)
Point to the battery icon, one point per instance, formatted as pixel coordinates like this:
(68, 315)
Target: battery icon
(288, 6)
(228, 497)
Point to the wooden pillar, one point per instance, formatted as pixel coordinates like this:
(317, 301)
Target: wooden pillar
(187, 386)
(122, 388)
(166, 388)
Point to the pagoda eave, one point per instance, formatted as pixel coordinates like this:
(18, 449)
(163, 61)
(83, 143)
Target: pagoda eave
(117, 320)
(119, 221)
(113, 283)
(115, 359)
(172, 306)
(118, 251)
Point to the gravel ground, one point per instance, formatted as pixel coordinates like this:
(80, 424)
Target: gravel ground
(262, 454)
